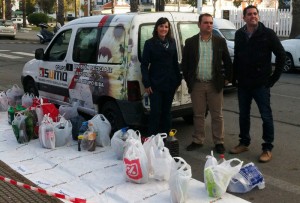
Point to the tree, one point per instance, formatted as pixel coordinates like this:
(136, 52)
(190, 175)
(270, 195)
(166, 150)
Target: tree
(60, 12)
(46, 5)
(134, 5)
(295, 30)
(237, 3)
(193, 3)
(30, 6)
(8, 10)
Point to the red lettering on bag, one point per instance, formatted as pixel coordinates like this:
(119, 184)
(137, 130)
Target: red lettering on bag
(133, 168)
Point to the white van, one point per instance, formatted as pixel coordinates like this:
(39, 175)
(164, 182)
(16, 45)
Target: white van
(95, 61)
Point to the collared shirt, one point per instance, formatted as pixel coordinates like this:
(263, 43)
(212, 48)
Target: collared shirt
(205, 60)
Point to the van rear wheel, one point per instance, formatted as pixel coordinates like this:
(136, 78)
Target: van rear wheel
(114, 115)
(29, 87)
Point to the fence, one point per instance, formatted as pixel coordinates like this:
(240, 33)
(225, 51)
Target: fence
(278, 20)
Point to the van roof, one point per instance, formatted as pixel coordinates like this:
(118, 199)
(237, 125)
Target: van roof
(177, 16)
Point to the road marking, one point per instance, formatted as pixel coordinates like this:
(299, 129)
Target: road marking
(281, 95)
(4, 50)
(23, 53)
(10, 56)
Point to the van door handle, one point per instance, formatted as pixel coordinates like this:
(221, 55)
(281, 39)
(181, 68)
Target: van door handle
(69, 67)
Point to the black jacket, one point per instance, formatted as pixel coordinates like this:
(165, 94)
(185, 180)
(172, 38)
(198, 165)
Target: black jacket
(221, 62)
(160, 69)
(252, 57)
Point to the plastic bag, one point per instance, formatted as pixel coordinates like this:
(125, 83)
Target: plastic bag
(217, 176)
(88, 141)
(27, 100)
(46, 133)
(118, 142)
(3, 101)
(19, 128)
(159, 158)
(103, 128)
(63, 132)
(246, 179)
(68, 112)
(180, 176)
(31, 123)
(76, 124)
(135, 161)
(14, 95)
(47, 109)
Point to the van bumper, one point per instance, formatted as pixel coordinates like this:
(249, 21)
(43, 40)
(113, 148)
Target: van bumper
(135, 114)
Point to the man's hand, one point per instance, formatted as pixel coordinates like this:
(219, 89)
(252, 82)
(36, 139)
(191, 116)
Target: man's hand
(148, 90)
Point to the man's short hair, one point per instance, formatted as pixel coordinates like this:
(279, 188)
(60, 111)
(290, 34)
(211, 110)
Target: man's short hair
(249, 7)
(204, 14)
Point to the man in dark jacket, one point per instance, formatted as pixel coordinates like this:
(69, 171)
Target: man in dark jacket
(206, 67)
(254, 44)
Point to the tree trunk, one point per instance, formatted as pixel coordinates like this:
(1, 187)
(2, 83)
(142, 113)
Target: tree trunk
(60, 12)
(8, 9)
(295, 31)
(134, 5)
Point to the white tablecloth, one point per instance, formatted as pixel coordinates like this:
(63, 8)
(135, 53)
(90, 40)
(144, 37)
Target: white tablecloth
(96, 176)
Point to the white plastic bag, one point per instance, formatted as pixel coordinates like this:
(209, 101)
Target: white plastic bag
(46, 133)
(246, 179)
(159, 158)
(14, 95)
(118, 142)
(3, 101)
(135, 161)
(62, 131)
(180, 176)
(27, 100)
(217, 176)
(103, 128)
(68, 112)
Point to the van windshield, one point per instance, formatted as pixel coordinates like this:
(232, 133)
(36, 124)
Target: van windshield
(228, 33)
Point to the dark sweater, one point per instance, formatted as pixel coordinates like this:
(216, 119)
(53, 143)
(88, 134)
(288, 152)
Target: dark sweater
(163, 73)
(252, 57)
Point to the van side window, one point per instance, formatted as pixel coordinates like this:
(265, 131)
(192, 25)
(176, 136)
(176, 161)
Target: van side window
(145, 33)
(187, 30)
(59, 47)
(112, 45)
(85, 46)
(216, 33)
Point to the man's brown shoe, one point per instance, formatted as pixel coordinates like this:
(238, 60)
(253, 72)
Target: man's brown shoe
(238, 149)
(265, 156)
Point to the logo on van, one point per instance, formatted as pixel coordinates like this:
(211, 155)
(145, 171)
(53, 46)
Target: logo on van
(53, 74)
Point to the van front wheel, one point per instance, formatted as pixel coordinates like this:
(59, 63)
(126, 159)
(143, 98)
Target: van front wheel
(112, 112)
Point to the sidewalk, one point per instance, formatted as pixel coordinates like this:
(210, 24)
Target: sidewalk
(27, 35)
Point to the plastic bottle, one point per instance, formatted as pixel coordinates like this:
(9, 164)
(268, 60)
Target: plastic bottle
(172, 143)
(146, 100)
(222, 159)
(124, 135)
(91, 137)
(83, 128)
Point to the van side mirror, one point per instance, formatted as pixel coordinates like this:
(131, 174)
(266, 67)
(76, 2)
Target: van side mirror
(39, 54)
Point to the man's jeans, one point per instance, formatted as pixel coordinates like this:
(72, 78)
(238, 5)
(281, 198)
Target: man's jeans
(261, 96)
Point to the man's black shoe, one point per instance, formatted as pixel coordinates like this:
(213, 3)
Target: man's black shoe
(193, 146)
(220, 149)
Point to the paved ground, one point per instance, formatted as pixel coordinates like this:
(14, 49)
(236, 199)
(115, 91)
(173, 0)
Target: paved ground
(27, 35)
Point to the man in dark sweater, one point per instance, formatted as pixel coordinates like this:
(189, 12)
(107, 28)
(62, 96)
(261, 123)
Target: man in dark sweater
(254, 44)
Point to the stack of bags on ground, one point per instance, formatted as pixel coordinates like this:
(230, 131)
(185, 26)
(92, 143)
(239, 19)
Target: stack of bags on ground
(35, 117)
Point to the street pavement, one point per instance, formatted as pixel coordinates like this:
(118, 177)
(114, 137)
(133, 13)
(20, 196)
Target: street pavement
(27, 35)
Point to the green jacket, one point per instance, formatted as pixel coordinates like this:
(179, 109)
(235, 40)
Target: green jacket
(221, 63)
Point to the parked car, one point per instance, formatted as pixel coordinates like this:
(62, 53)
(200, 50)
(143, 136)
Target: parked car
(7, 29)
(292, 49)
(19, 21)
